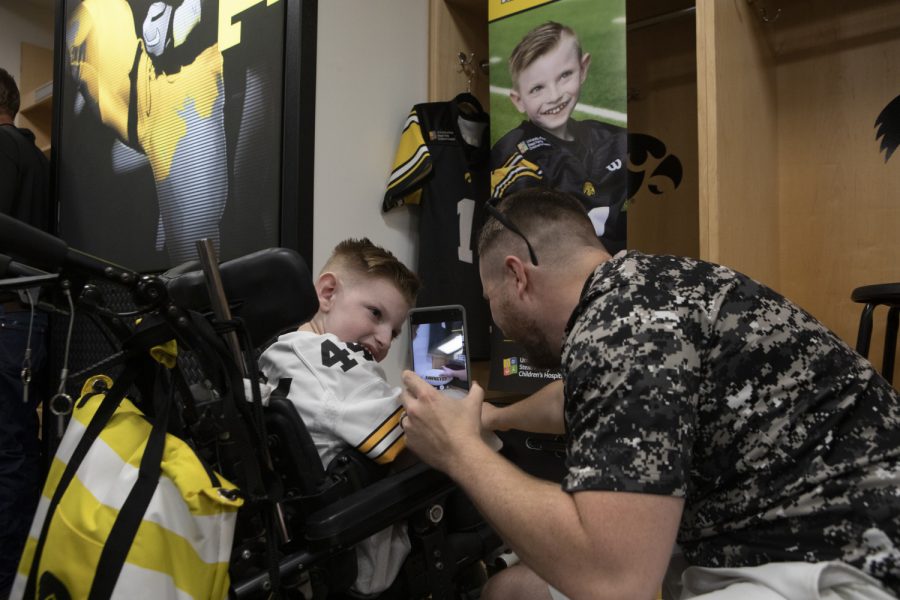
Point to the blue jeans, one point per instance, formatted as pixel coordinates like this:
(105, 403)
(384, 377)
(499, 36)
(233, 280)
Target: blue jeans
(20, 450)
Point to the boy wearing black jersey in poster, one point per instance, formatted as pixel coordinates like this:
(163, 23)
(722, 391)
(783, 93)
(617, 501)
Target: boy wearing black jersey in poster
(551, 149)
(548, 73)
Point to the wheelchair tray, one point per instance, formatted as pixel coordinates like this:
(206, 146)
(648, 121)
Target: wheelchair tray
(359, 515)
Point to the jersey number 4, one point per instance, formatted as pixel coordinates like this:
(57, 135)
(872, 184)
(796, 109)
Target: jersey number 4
(333, 354)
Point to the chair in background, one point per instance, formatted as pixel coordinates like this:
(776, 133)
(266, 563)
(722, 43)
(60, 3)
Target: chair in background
(885, 294)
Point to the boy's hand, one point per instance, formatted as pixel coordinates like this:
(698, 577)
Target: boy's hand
(491, 417)
(438, 428)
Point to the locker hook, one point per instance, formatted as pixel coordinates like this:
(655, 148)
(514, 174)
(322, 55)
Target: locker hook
(764, 14)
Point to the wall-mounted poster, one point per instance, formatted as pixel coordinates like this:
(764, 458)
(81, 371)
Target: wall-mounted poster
(558, 120)
(181, 120)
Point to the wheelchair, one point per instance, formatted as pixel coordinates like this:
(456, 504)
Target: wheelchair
(296, 533)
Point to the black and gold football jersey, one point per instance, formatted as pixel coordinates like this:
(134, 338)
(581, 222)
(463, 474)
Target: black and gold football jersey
(442, 165)
(593, 167)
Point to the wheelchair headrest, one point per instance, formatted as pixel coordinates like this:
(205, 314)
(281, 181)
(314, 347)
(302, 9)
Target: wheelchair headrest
(270, 290)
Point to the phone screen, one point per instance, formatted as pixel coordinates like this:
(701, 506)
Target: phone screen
(439, 347)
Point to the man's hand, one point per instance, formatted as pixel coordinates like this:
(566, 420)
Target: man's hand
(438, 427)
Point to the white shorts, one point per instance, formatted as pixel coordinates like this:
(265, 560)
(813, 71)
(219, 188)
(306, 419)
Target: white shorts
(777, 581)
(833, 580)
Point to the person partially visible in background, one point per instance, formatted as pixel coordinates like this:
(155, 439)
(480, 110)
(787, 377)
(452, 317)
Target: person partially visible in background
(24, 195)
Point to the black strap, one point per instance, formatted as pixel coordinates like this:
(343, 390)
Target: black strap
(189, 414)
(107, 407)
(125, 528)
(216, 359)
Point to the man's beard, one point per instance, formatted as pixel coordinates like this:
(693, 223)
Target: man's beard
(539, 351)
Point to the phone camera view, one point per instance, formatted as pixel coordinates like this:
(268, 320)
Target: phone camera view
(439, 354)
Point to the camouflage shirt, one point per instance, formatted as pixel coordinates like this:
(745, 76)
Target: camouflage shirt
(685, 378)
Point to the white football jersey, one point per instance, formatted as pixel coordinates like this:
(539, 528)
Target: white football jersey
(344, 399)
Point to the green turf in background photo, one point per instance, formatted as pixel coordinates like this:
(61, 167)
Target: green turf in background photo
(599, 25)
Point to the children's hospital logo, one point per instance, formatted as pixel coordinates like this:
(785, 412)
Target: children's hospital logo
(510, 366)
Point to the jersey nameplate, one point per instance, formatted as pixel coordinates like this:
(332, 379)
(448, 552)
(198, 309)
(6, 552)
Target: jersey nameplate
(533, 143)
(441, 135)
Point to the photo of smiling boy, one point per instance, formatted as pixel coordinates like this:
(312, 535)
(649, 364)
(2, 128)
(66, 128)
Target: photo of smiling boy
(586, 158)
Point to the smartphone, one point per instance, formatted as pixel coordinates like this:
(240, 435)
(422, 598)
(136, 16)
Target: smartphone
(440, 347)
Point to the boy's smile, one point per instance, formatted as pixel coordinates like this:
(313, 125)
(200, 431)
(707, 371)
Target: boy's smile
(547, 90)
(557, 109)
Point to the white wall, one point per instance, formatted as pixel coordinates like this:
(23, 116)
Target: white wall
(372, 67)
(22, 21)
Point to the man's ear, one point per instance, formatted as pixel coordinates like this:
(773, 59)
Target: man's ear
(517, 100)
(327, 286)
(515, 269)
(585, 63)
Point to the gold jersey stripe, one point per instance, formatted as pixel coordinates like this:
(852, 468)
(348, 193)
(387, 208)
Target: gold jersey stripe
(381, 431)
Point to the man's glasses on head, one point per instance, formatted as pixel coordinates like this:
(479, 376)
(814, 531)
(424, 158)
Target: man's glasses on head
(509, 225)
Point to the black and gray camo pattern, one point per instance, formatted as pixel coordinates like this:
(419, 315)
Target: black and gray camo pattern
(685, 378)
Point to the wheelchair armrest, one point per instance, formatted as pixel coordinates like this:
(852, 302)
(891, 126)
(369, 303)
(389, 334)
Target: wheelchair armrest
(357, 516)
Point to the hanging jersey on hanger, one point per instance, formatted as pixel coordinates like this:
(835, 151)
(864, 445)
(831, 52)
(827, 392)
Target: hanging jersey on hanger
(442, 164)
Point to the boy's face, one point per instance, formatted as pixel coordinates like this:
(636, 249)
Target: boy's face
(368, 311)
(548, 89)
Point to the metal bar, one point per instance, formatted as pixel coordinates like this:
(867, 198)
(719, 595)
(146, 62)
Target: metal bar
(865, 330)
(890, 343)
(650, 21)
(210, 265)
(289, 565)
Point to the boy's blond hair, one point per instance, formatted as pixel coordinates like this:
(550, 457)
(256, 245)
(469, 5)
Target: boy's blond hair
(355, 257)
(536, 43)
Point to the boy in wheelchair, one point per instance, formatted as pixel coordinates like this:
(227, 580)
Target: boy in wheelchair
(297, 532)
(337, 386)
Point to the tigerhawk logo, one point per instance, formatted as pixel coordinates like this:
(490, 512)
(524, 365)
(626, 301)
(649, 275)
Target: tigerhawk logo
(888, 124)
(648, 154)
